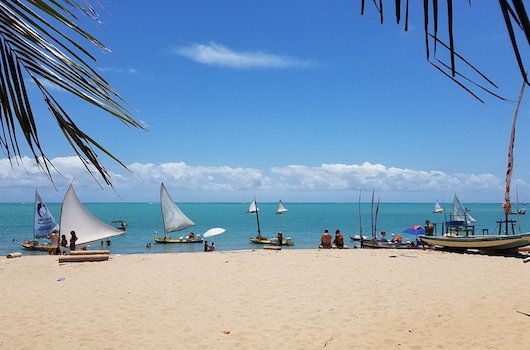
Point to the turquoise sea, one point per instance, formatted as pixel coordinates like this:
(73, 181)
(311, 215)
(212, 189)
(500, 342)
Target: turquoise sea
(304, 222)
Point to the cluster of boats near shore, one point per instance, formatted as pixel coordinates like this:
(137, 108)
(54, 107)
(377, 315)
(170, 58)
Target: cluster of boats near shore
(457, 233)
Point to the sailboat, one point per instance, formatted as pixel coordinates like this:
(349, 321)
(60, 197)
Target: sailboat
(44, 224)
(460, 213)
(88, 228)
(174, 220)
(360, 236)
(259, 239)
(457, 235)
(437, 208)
(281, 208)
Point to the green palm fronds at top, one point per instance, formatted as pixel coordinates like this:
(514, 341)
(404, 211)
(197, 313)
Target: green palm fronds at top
(36, 43)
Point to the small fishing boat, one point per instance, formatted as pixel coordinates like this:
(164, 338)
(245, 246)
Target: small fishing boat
(437, 208)
(174, 220)
(43, 224)
(88, 228)
(358, 238)
(259, 239)
(460, 235)
(281, 208)
(120, 224)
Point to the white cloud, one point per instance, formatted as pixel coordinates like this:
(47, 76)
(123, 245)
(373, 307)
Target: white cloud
(219, 55)
(212, 183)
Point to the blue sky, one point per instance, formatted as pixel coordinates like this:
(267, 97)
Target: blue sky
(304, 101)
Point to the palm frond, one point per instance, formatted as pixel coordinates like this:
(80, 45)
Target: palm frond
(514, 14)
(37, 42)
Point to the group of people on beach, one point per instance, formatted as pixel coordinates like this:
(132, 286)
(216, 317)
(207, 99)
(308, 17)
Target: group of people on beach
(326, 242)
(59, 246)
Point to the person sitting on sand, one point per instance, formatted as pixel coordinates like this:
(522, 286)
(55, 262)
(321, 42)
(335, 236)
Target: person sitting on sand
(325, 240)
(383, 236)
(339, 239)
(398, 239)
(212, 247)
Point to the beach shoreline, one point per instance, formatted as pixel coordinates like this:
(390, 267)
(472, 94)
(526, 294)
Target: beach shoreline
(289, 299)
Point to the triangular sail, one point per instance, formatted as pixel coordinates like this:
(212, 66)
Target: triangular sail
(44, 220)
(459, 213)
(88, 228)
(281, 208)
(253, 208)
(174, 218)
(437, 208)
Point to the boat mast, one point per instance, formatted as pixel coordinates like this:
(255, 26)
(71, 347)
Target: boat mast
(373, 232)
(507, 206)
(360, 222)
(257, 216)
(35, 215)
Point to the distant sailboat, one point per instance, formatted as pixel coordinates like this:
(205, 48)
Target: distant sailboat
(88, 228)
(460, 213)
(437, 208)
(174, 220)
(253, 208)
(44, 224)
(281, 209)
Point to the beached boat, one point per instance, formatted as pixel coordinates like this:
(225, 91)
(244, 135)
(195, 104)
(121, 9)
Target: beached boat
(88, 229)
(259, 239)
(379, 244)
(458, 234)
(281, 208)
(437, 208)
(44, 224)
(174, 220)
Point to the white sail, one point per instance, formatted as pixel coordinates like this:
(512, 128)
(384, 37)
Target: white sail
(253, 208)
(88, 228)
(459, 213)
(437, 208)
(174, 218)
(44, 220)
(281, 209)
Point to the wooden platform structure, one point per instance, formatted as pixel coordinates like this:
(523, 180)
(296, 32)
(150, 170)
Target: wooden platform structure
(85, 256)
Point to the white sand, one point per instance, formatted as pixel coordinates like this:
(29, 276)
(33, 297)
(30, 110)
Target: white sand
(289, 299)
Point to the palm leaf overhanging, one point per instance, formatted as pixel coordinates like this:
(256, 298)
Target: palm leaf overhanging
(514, 14)
(36, 44)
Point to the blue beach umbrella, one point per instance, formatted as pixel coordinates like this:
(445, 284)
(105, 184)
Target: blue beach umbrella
(415, 230)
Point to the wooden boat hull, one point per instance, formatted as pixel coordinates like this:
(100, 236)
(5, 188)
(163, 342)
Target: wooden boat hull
(167, 240)
(30, 245)
(358, 238)
(386, 245)
(286, 242)
(493, 242)
(333, 247)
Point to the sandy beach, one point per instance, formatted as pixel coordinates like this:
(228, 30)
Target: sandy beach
(289, 299)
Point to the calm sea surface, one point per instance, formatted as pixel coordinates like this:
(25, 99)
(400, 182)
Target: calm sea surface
(304, 222)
